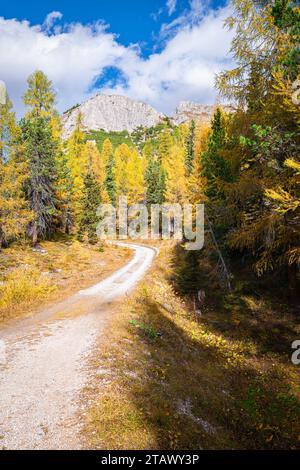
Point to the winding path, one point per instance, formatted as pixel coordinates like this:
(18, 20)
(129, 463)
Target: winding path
(44, 361)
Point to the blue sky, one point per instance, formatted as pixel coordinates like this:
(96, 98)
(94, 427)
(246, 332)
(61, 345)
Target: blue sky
(158, 51)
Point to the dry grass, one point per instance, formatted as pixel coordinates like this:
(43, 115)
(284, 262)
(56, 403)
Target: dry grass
(31, 279)
(23, 286)
(168, 379)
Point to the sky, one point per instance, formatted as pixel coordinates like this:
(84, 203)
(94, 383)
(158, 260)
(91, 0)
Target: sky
(157, 51)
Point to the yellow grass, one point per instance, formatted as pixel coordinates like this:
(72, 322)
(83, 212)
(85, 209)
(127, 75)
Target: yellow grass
(22, 286)
(28, 279)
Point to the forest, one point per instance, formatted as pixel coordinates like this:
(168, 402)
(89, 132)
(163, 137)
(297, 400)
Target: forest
(245, 167)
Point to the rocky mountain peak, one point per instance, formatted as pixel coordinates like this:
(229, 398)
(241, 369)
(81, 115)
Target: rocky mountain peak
(111, 113)
(188, 110)
(120, 113)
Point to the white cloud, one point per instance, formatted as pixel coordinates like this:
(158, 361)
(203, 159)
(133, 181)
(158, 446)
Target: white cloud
(50, 20)
(74, 56)
(171, 6)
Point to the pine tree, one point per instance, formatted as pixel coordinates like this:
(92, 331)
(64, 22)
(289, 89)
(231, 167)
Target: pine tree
(197, 182)
(89, 203)
(155, 178)
(40, 149)
(190, 153)
(188, 275)
(110, 180)
(215, 168)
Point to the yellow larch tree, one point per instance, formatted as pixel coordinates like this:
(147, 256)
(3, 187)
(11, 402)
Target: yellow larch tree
(77, 162)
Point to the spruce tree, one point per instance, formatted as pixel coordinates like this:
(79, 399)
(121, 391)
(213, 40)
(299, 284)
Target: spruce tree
(155, 178)
(190, 154)
(110, 180)
(90, 201)
(188, 276)
(40, 149)
(215, 167)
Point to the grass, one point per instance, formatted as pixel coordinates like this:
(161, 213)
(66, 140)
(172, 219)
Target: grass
(116, 138)
(23, 286)
(30, 279)
(171, 379)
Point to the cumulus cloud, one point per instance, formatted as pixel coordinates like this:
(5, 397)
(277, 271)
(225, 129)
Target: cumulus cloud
(74, 56)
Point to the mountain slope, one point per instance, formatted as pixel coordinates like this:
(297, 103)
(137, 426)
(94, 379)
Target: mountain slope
(111, 113)
(114, 113)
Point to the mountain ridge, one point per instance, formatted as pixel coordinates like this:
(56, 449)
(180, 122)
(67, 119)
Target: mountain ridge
(120, 113)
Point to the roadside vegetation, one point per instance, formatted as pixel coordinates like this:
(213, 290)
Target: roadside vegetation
(31, 279)
(170, 377)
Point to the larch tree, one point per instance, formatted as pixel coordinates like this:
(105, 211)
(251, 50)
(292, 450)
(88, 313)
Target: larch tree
(77, 163)
(129, 173)
(14, 209)
(262, 200)
(165, 143)
(39, 96)
(64, 184)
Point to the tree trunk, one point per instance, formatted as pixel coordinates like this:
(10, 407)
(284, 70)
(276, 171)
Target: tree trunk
(34, 234)
(294, 291)
(1, 238)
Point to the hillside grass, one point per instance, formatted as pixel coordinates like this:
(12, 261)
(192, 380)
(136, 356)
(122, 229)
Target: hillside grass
(170, 378)
(116, 138)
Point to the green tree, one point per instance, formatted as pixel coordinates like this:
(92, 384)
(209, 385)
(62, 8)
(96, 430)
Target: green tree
(90, 201)
(110, 180)
(155, 178)
(40, 150)
(190, 153)
(215, 168)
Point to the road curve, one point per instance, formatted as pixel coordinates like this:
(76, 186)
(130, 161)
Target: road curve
(44, 361)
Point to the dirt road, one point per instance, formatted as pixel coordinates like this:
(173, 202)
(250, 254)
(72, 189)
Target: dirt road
(44, 361)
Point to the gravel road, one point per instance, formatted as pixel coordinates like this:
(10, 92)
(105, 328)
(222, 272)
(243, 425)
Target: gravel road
(44, 361)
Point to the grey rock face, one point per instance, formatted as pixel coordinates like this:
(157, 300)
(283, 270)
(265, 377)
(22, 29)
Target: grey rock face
(119, 113)
(188, 111)
(111, 113)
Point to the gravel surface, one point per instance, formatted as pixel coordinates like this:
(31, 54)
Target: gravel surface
(44, 362)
